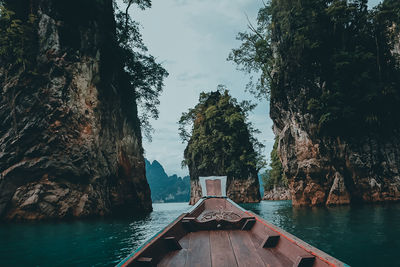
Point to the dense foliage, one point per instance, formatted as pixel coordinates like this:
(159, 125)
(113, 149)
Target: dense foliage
(144, 74)
(17, 39)
(274, 176)
(335, 54)
(221, 141)
(166, 188)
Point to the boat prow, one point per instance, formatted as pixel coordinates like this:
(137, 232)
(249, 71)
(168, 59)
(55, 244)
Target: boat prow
(218, 232)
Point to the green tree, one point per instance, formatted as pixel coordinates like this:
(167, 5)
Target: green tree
(335, 56)
(266, 181)
(220, 141)
(17, 40)
(142, 72)
(274, 176)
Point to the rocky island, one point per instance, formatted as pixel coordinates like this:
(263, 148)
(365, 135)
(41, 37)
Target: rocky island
(221, 143)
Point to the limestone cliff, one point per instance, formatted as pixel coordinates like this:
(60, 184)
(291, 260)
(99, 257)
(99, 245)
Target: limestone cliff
(334, 170)
(333, 80)
(339, 142)
(70, 146)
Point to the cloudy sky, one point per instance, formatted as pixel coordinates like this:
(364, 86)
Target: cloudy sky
(192, 39)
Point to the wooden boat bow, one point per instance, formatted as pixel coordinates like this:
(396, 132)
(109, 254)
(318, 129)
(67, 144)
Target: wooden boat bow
(218, 232)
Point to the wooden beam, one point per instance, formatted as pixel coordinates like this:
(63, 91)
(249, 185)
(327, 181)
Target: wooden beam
(306, 260)
(249, 224)
(172, 243)
(270, 241)
(187, 224)
(145, 262)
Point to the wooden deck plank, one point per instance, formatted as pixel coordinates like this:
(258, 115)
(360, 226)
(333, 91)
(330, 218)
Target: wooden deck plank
(199, 250)
(243, 247)
(177, 258)
(174, 258)
(221, 250)
(184, 241)
(270, 256)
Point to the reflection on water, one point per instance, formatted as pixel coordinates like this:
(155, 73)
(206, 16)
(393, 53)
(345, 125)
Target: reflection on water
(360, 236)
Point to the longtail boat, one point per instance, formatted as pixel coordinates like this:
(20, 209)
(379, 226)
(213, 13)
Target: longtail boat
(218, 232)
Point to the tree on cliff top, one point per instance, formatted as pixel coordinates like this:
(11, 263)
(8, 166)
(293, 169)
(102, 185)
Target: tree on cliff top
(143, 73)
(334, 56)
(221, 140)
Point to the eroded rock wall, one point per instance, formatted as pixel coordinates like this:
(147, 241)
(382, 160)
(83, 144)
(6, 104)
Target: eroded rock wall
(325, 170)
(277, 193)
(239, 190)
(244, 190)
(69, 144)
(195, 191)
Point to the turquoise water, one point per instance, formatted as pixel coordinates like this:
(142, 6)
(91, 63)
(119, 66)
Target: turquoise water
(357, 235)
(360, 236)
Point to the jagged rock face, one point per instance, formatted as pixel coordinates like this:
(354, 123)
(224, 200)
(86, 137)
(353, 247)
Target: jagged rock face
(324, 170)
(278, 193)
(68, 147)
(239, 190)
(244, 190)
(195, 191)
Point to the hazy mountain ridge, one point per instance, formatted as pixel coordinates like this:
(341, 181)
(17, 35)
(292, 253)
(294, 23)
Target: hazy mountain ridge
(166, 188)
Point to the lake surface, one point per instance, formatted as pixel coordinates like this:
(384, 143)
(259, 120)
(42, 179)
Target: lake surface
(359, 236)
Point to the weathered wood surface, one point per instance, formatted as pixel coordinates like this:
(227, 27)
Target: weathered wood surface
(244, 249)
(218, 241)
(199, 253)
(222, 248)
(213, 187)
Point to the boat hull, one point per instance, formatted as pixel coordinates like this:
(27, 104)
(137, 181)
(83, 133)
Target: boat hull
(218, 232)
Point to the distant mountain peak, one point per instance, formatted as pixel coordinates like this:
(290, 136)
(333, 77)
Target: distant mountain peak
(166, 188)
